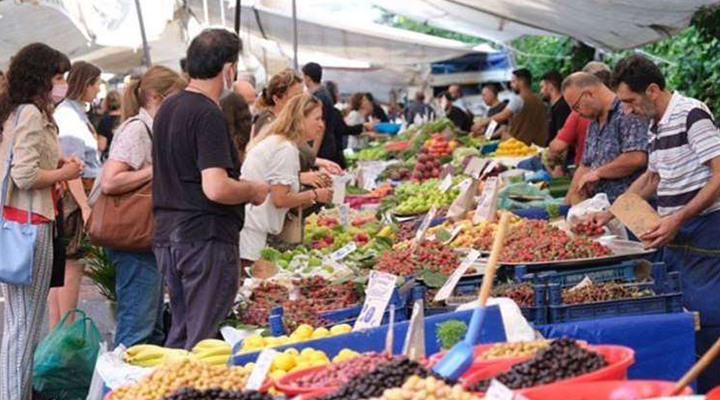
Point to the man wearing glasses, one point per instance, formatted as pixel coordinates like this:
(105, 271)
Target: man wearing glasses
(616, 146)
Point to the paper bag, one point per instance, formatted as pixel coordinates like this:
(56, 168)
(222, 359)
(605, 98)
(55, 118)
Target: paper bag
(635, 213)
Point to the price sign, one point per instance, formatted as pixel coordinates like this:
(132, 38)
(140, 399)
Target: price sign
(446, 183)
(343, 252)
(498, 391)
(489, 168)
(487, 203)
(262, 366)
(377, 296)
(455, 232)
(464, 185)
(425, 225)
(475, 167)
(490, 129)
(447, 289)
(344, 214)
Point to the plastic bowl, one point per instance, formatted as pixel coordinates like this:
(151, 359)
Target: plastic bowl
(387, 127)
(286, 384)
(607, 390)
(619, 358)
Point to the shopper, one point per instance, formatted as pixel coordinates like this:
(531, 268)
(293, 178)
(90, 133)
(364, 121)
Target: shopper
(3, 81)
(35, 81)
(360, 110)
(198, 197)
(459, 117)
(109, 121)
(238, 120)
(459, 101)
(344, 131)
(138, 282)
(616, 145)
(275, 159)
(77, 139)
(246, 90)
(417, 109)
(684, 173)
(559, 109)
(378, 112)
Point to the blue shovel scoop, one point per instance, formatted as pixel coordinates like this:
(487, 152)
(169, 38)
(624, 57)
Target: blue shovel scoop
(460, 357)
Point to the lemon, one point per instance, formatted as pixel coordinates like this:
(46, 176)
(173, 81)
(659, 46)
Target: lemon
(292, 351)
(254, 341)
(294, 338)
(340, 329)
(282, 339)
(284, 362)
(307, 352)
(346, 351)
(319, 355)
(303, 365)
(271, 341)
(320, 333)
(317, 363)
(303, 331)
(277, 374)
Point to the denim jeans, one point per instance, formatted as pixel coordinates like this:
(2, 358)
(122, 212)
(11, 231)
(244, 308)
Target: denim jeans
(140, 298)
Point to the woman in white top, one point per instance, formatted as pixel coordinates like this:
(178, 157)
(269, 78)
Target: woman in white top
(77, 139)
(360, 109)
(273, 157)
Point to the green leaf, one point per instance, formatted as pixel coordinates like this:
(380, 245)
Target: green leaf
(432, 279)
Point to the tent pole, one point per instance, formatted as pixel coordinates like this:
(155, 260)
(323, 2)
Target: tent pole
(146, 47)
(238, 4)
(295, 36)
(206, 12)
(222, 12)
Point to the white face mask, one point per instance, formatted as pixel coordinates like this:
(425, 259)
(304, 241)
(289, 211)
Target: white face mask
(229, 81)
(58, 93)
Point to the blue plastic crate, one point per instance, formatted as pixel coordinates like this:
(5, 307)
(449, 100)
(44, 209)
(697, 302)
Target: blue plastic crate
(489, 147)
(669, 302)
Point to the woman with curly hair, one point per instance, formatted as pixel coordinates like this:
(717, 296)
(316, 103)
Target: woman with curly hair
(238, 120)
(29, 137)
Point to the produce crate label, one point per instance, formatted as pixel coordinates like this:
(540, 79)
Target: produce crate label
(446, 183)
(344, 214)
(490, 129)
(343, 251)
(262, 366)
(498, 391)
(487, 203)
(377, 296)
(425, 225)
(475, 167)
(447, 289)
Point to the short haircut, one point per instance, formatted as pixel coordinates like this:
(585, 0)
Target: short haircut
(81, 76)
(601, 70)
(638, 72)
(524, 75)
(581, 80)
(554, 77)
(313, 71)
(183, 64)
(493, 87)
(420, 96)
(210, 51)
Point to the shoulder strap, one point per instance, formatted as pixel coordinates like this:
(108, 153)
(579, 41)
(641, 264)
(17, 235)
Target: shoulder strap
(8, 165)
(147, 128)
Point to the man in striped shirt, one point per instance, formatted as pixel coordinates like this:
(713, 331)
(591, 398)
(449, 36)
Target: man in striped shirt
(684, 172)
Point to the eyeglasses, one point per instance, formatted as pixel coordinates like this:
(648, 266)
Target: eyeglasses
(576, 106)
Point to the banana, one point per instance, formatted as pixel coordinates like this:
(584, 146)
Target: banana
(148, 357)
(209, 343)
(217, 351)
(217, 360)
(134, 350)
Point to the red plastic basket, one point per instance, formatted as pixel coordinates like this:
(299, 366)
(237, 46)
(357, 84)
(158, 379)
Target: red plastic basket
(713, 394)
(619, 358)
(287, 386)
(316, 394)
(608, 390)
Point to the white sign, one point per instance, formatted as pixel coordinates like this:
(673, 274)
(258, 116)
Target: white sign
(490, 167)
(377, 296)
(498, 391)
(339, 187)
(446, 183)
(343, 252)
(425, 225)
(447, 289)
(490, 129)
(262, 366)
(475, 167)
(487, 203)
(344, 214)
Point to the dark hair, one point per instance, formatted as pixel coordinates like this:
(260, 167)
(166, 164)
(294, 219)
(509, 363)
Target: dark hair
(332, 87)
(420, 96)
(112, 101)
(238, 120)
(313, 71)
(370, 97)
(524, 75)
(356, 100)
(29, 79)
(493, 87)
(210, 51)
(606, 77)
(183, 64)
(278, 86)
(82, 75)
(554, 77)
(638, 73)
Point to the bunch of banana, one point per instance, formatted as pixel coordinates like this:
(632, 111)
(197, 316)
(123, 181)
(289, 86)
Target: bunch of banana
(150, 355)
(212, 351)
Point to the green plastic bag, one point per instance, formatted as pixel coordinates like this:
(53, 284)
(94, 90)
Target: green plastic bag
(65, 360)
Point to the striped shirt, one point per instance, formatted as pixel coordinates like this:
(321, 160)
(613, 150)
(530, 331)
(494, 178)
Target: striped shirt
(681, 144)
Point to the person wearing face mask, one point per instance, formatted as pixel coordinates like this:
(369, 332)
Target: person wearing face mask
(138, 282)
(198, 196)
(273, 157)
(28, 132)
(77, 139)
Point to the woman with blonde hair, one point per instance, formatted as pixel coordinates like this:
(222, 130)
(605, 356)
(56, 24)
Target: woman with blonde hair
(138, 282)
(273, 157)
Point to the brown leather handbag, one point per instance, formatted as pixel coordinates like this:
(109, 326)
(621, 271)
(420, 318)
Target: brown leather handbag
(124, 222)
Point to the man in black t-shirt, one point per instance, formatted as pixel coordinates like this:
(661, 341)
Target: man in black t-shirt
(198, 198)
(559, 108)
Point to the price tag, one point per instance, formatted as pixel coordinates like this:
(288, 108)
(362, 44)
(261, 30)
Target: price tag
(489, 168)
(454, 233)
(498, 391)
(425, 225)
(262, 366)
(446, 183)
(377, 296)
(464, 185)
(344, 214)
(475, 167)
(447, 289)
(343, 252)
(488, 202)
(490, 129)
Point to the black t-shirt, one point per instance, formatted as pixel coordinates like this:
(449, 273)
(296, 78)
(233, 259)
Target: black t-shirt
(559, 113)
(460, 119)
(329, 147)
(106, 127)
(190, 136)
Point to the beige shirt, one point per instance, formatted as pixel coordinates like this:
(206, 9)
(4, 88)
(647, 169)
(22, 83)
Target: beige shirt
(36, 147)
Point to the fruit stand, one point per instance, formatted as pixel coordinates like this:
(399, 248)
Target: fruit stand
(427, 223)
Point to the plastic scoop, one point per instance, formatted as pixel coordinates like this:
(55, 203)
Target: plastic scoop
(697, 369)
(460, 356)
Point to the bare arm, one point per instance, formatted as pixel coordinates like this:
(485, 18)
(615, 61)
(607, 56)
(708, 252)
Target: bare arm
(118, 177)
(575, 195)
(646, 185)
(283, 197)
(556, 148)
(624, 165)
(221, 188)
(78, 193)
(503, 115)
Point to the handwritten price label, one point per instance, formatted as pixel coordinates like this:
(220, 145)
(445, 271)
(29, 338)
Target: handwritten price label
(262, 366)
(377, 296)
(343, 252)
(490, 129)
(486, 204)
(425, 225)
(447, 289)
(446, 183)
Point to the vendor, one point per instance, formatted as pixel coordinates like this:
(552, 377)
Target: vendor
(684, 172)
(616, 144)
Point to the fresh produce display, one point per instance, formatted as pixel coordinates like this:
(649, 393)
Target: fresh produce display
(406, 230)
(150, 355)
(438, 146)
(184, 373)
(430, 255)
(450, 333)
(292, 360)
(536, 240)
(603, 292)
(301, 333)
(370, 154)
(417, 198)
(514, 148)
(512, 350)
(343, 371)
(587, 228)
(188, 393)
(463, 155)
(427, 166)
(563, 359)
(397, 146)
(397, 172)
(325, 233)
(523, 294)
(426, 388)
